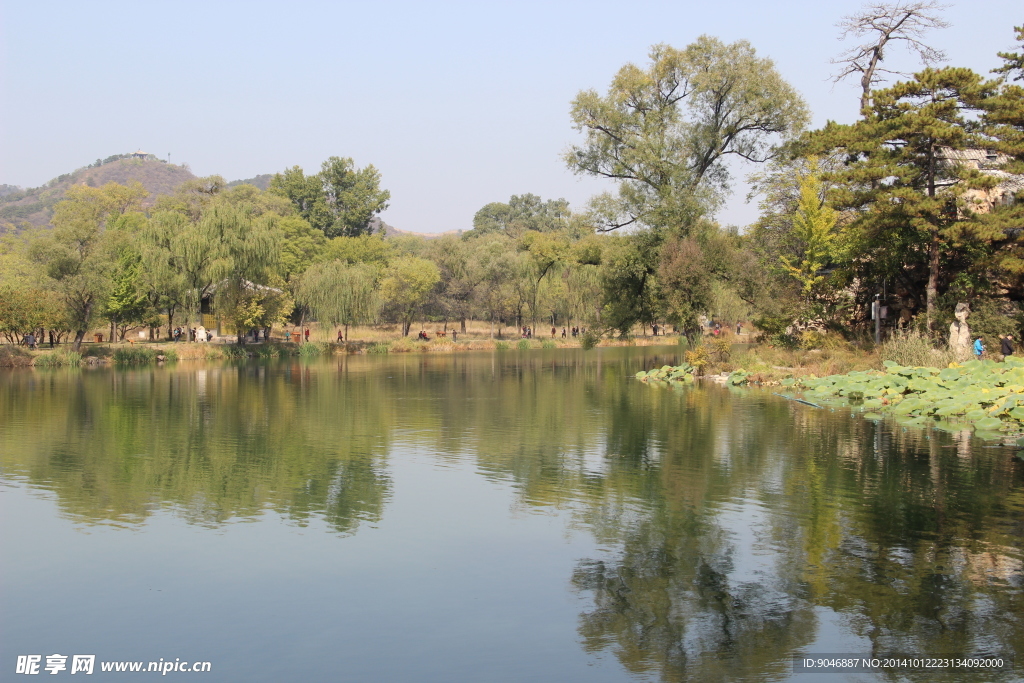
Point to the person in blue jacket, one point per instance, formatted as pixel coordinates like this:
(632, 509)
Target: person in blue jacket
(979, 347)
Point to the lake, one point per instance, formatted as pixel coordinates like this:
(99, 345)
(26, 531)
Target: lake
(509, 516)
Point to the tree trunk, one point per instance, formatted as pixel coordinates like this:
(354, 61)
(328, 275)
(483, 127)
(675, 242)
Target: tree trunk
(462, 326)
(932, 291)
(79, 336)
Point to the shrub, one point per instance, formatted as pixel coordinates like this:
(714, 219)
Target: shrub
(813, 339)
(548, 344)
(523, 344)
(403, 345)
(501, 346)
(58, 359)
(266, 350)
(378, 348)
(913, 349)
(14, 356)
(134, 355)
(314, 349)
(235, 351)
(170, 355)
(590, 339)
(720, 350)
(699, 358)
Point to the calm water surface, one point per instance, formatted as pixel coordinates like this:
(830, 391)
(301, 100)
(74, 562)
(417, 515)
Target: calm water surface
(516, 516)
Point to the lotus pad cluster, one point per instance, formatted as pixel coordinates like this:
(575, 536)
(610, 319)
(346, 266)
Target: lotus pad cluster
(668, 373)
(985, 394)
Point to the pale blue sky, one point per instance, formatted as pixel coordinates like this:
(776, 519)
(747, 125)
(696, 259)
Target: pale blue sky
(457, 104)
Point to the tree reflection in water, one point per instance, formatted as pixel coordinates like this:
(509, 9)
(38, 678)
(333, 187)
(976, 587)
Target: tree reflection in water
(731, 520)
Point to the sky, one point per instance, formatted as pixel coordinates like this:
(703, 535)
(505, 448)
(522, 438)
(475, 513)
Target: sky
(456, 104)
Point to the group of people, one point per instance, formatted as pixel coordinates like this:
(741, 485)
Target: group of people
(1005, 346)
(574, 331)
(200, 335)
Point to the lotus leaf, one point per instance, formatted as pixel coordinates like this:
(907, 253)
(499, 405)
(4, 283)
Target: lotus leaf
(988, 424)
(872, 416)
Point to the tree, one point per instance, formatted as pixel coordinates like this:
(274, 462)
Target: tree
(127, 305)
(546, 251)
(814, 229)
(406, 286)
(905, 22)
(340, 293)
(339, 201)
(520, 214)
(79, 254)
(222, 253)
(901, 178)
(664, 133)
(629, 280)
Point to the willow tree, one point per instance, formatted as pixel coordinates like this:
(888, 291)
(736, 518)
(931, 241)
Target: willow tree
(223, 252)
(340, 293)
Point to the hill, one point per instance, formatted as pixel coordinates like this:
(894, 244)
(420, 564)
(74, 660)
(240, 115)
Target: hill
(34, 206)
(261, 181)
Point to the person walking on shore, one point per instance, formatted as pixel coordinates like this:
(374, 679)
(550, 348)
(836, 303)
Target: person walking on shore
(1006, 346)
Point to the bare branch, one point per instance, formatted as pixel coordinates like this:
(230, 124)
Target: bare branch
(883, 23)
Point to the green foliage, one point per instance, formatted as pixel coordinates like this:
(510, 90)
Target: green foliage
(54, 359)
(522, 213)
(373, 250)
(406, 286)
(127, 305)
(699, 357)
(665, 132)
(235, 351)
(548, 344)
(134, 355)
(992, 318)
(985, 394)
(589, 339)
(907, 199)
(813, 227)
(314, 349)
(911, 348)
(524, 345)
(719, 349)
(339, 201)
(681, 373)
(378, 348)
(23, 310)
(338, 293)
(501, 346)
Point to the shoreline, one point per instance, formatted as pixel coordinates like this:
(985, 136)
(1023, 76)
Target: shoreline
(104, 353)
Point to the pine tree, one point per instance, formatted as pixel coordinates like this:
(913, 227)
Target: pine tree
(901, 181)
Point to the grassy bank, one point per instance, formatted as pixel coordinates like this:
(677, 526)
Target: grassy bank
(144, 353)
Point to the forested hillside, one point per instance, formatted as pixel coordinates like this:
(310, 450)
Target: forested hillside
(33, 207)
